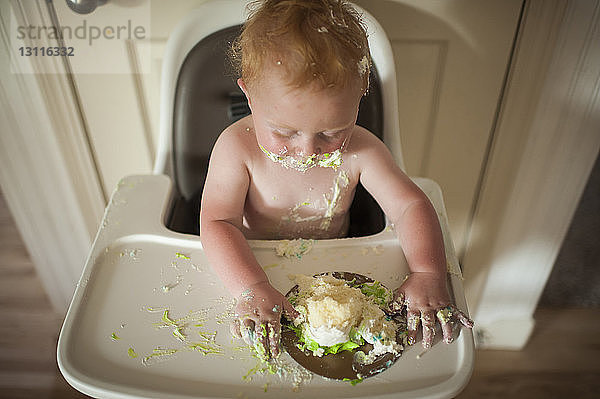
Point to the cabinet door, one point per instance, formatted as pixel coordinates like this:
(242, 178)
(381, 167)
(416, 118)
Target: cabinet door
(118, 77)
(451, 60)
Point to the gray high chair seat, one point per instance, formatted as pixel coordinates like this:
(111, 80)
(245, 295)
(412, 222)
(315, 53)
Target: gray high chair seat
(207, 100)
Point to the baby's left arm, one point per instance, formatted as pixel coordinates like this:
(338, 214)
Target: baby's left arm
(424, 292)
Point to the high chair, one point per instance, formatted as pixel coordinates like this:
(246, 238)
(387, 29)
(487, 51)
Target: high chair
(149, 318)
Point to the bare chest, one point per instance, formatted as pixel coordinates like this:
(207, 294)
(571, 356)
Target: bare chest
(285, 203)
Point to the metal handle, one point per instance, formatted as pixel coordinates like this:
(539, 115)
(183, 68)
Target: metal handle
(84, 6)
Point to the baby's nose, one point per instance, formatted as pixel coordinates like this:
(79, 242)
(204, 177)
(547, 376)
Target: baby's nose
(309, 146)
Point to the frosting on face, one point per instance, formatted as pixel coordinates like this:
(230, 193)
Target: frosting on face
(325, 208)
(304, 163)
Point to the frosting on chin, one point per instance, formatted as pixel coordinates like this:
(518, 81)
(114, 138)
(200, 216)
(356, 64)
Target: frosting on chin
(303, 163)
(328, 336)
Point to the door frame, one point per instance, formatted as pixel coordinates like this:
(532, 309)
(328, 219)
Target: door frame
(541, 154)
(47, 169)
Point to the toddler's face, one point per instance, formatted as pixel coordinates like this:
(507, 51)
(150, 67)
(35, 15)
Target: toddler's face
(301, 122)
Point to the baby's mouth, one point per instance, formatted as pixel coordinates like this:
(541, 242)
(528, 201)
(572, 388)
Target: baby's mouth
(302, 163)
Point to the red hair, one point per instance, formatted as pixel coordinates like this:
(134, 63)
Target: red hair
(322, 41)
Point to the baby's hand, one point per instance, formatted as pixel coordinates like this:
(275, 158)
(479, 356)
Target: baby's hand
(258, 318)
(426, 298)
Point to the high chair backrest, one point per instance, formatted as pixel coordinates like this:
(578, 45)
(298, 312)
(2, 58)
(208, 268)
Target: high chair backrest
(200, 97)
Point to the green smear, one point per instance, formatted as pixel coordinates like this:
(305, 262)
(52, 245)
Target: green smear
(131, 353)
(160, 353)
(353, 382)
(178, 334)
(262, 367)
(377, 291)
(166, 319)
(344, 346)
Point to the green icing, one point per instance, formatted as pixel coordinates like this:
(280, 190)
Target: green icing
(327, 160)
(307, 343)
(132, 353)
(379, 293)
(182, 256)
(353, 382)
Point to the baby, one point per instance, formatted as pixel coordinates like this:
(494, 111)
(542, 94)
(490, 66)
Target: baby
(290, 169)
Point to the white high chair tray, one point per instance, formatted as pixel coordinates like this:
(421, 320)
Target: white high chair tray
(137, 269)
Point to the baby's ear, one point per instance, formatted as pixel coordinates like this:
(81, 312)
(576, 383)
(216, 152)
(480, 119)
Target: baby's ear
(242, 86)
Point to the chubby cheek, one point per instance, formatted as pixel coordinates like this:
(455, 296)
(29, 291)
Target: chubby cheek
(333, 145)
(272, 144)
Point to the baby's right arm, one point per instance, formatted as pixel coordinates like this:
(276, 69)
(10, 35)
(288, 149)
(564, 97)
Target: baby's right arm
(259, 305)
(221, 216)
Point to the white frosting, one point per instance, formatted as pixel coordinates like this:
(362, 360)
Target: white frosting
(328, 336)
(341, 181)
(294, 248)
(331, 201)
(363, 65)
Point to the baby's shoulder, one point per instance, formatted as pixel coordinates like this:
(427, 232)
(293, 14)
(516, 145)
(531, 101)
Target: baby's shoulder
(368, 152)
(237, 140)
(364, 142)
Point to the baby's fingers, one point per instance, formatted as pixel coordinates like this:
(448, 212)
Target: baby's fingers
(464, 320)
(261, 344)
(428, 321)
(413, 318)
(444, 316)
(450, 312)
(274, 330)
(235, 329)
(247, 331)
(288, 310)
(397, 303)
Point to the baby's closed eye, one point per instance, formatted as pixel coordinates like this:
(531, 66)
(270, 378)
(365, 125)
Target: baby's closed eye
(330, 135)
(283, 133)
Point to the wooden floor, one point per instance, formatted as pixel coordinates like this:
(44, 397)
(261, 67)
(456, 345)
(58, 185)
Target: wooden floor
(561, 360)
